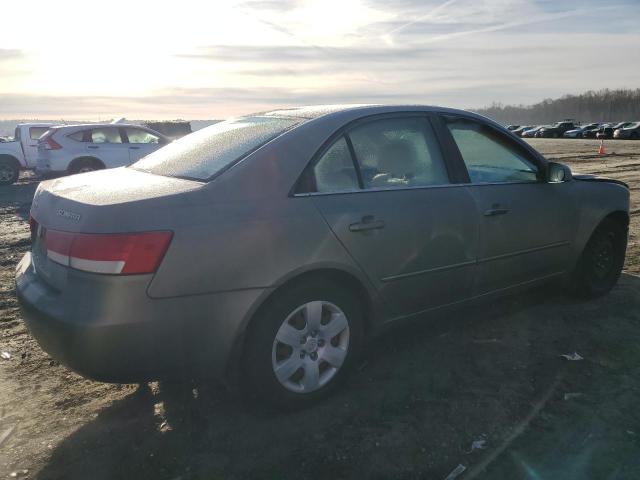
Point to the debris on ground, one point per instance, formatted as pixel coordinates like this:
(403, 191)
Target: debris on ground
(6, 434)
(456, 472)
(479, 444)
(5, 355)
(574, 357)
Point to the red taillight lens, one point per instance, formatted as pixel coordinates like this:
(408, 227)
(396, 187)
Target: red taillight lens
(117, 254)
(51, 144)
(32, 223)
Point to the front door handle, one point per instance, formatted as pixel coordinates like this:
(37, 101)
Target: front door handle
(368, 223)
(134, 148)
(92, 146)
(492, 212)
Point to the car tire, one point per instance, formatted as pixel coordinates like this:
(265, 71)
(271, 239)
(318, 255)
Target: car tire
(601, 261)
(295, 352)
(84, 165)
(9, 171)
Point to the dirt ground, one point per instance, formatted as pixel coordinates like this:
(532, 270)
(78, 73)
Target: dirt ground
(413, 409)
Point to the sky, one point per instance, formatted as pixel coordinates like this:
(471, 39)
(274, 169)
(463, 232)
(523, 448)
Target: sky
(93, 60)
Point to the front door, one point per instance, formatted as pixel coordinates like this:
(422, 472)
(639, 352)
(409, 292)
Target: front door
(526, 224)
(384, 189)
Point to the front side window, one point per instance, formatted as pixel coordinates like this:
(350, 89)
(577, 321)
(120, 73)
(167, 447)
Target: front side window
(137, 135)
(105, 135)
(488, 156)
(335, 172)
(398, 152)
(36, 132)
(202, 154)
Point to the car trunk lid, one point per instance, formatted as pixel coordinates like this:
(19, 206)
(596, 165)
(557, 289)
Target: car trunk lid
(105, 202)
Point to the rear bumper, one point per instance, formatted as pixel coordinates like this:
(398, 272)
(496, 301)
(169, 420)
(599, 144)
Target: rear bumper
(115, 336)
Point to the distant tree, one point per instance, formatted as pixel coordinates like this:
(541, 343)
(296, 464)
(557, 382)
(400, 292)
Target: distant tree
(592, 106)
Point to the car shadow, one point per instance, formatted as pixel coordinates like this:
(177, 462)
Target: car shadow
(413, 406)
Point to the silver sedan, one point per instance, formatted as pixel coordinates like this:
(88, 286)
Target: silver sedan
(267, 249)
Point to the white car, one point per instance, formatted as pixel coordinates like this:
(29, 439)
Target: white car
(84, 148)
(21, 153)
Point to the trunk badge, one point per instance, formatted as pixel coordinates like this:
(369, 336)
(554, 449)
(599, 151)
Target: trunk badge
(69, 215)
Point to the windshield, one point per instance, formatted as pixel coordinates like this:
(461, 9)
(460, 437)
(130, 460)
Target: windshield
(203, 154)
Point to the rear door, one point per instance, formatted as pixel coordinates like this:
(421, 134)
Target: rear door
(386, 192)
(526, 224)
(107, 145)
(141, 142)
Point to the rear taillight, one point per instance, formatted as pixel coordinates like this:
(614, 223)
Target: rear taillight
(116, 254)
(33, 227)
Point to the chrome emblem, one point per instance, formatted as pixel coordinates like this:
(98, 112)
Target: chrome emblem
(69, 215)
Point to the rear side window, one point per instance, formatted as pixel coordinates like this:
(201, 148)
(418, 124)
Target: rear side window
(81, 136)
(398, 152)
(105, 135)
(489, 156)
(206, 152)
(335, 171)
(36, 132)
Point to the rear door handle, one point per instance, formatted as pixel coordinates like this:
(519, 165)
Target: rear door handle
(92, 146)
(134, 148)
(368, 223)
(492, 212)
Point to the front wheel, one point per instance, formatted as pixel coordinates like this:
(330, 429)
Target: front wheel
(601, 262)
(302, 344)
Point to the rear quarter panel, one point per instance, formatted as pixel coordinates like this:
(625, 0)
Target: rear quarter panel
(244, 245)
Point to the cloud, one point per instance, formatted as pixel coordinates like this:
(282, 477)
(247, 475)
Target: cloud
(10, 54)
(260, 54)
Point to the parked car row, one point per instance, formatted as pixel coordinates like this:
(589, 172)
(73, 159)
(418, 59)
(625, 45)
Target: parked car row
(572, 129)
(52, 150)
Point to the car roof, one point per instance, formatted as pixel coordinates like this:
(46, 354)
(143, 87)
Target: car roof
(349, 112)
(81, 126)
(41, 124)
(100, 125)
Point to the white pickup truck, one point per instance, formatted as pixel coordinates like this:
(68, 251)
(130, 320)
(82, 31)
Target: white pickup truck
(21, 153)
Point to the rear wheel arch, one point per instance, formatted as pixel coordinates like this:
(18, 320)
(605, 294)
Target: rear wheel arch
(333, 276)
(76, 163)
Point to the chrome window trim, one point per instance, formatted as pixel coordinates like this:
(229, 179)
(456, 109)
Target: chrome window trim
(417, 187)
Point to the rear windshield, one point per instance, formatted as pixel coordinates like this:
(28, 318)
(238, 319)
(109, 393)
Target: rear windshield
(203, 154)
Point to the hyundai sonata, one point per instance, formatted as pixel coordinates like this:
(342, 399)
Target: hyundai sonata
(274, 245)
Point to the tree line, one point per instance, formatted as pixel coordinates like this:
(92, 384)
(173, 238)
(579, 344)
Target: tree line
(592, 106)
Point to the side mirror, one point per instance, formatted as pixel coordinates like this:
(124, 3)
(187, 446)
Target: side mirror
(558, 173)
